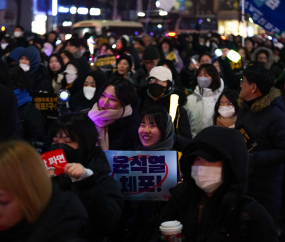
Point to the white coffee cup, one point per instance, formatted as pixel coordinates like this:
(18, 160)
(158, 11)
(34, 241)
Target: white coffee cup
(172, 230)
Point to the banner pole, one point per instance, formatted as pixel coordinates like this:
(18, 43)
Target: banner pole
(242, 19)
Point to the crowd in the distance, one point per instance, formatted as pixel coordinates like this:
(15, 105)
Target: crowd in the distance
(121, 98)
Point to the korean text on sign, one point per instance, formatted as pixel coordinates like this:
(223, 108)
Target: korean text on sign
(144, 175)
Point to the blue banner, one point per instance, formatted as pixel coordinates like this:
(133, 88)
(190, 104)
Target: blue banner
(144, 175)
(269, 14)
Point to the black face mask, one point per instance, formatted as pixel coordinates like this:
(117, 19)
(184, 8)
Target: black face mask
(71, 154)
(155, 89)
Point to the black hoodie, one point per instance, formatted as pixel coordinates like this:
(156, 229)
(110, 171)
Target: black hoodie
(230, 145)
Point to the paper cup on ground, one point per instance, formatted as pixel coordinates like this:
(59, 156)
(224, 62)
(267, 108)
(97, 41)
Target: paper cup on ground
(172, 231)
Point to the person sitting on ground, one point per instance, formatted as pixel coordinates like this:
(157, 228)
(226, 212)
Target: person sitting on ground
(31, 208)
(210, 202)
(158, 93)
(87, 173)
(115, 115)
(226, 109)
(56, 68)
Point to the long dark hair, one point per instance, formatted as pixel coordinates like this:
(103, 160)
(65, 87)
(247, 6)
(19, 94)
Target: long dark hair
(232, 96)
(124, 89)
(59, 58)
(213, 204)
(211, 70)
(81, 130)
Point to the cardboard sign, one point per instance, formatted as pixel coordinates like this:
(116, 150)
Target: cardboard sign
(249, 140)
(46, 103)
(54, 161)
(106, 63)
(144, 175)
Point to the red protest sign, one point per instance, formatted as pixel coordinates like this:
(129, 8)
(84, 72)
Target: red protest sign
(54, 161)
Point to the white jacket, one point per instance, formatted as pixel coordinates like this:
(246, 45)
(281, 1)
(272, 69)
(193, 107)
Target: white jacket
(200, 109)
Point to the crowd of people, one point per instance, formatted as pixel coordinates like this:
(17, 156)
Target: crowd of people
(226, 191)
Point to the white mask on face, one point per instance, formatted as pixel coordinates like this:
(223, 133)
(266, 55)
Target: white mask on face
(4, 45)
(89, 92)
(70, 78)
(207, 178)
(204, 82)
(17, 34)
(24, 67)
(227, 111)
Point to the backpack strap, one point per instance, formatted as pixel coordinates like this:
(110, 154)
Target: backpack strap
(245, 215)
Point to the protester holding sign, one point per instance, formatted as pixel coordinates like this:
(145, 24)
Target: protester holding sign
(226, 109)
(200, 105)
(87, 173)
(171, 54)
(115, 115)
(33, 125)
(86, 98)
(31, 209)
(210, 202)
(262, 113)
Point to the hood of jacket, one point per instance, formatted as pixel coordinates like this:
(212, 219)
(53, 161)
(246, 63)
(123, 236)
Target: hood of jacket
(272, 98)
(33, 54)
(229, 143)
(15, 54)
(270, 59)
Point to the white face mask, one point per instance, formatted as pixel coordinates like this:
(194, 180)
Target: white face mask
(17, 34)
(24, 67)
(204, 82)
(227, 111)
(207, 178)
(4, 45)
(70, 78)
(89, 92)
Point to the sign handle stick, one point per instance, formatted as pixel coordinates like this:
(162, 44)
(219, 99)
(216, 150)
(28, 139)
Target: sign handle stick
(242, 19)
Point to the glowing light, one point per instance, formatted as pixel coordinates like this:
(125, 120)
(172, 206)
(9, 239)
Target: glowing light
(54, 7)
(163, 13)
(91, 64)
(73, 10)
(68, 36)
(114, 46)
(250, 20)
(223, 37)
(159, 26)
(208, 19)
(39, 27)
(40, 18)
(136, 33)
(62, 9)
(95, 11)
(141, 14)
(171, 34)
(3, 28)
(270, 37)
(82, 11)
(66, 23)
(173, 106)
(157, 4)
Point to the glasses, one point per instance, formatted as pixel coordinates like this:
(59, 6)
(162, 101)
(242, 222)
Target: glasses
(226, 104)
(155, 80)
(242, 81)
(148, 62)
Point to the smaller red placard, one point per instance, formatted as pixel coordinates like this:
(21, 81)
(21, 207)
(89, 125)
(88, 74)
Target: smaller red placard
(54, 161)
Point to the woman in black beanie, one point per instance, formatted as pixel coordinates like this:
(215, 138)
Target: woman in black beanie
(124, 66)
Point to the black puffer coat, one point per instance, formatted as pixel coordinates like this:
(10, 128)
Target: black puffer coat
(40, 81)
(64, 219)
(181, 122)
(226, 226)
(101, 196)
(265, 121)
(140, 76)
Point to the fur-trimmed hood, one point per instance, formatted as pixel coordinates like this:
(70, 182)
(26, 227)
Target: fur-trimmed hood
(265, 101)
(270, 59)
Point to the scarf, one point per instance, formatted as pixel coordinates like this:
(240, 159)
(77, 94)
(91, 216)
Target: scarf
(226, 122)
(22, 96)
(103, 118)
